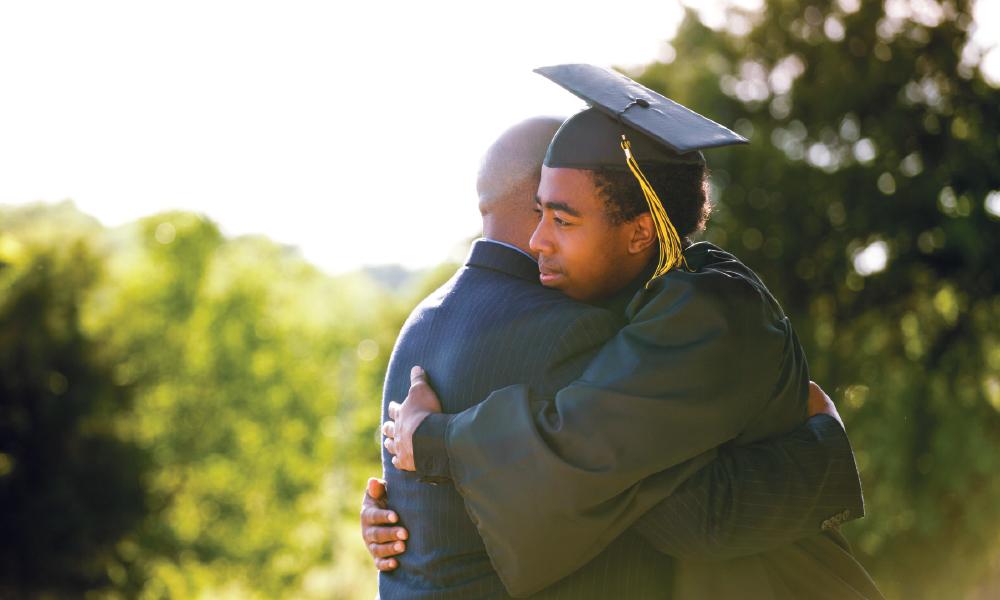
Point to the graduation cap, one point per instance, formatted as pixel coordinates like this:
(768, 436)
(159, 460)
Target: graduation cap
(629, 124)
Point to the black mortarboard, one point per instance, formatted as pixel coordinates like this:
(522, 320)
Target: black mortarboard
(659, 129)
(629, 124)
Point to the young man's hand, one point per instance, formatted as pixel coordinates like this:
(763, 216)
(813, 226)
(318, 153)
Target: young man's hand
(406, 417)
(383, 540)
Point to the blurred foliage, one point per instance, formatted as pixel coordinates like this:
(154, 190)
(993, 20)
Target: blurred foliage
(869, 201)
(72, 493)
(185, 415)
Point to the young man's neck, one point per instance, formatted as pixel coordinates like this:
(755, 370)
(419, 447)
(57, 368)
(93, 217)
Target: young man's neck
(620, 300)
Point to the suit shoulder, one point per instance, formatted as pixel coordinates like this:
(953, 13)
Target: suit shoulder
(431, 302)
(515, 294)
(569, 314)
(492, 301)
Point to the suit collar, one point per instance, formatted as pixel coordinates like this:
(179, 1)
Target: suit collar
(488, 254)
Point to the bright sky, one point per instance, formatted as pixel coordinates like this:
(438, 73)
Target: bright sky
(350, 130)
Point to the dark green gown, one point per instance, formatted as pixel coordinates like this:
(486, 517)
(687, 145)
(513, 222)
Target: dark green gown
(707, 358)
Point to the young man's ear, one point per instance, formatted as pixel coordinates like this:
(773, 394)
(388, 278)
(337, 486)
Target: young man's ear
(643, 234)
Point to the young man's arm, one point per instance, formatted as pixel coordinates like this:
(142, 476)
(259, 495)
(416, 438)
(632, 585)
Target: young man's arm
(550, 481)
(748, 500)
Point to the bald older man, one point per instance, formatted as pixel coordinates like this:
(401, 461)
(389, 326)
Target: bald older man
(494, 325)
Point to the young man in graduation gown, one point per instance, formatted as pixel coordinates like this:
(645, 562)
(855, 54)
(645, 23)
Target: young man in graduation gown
(707, 359)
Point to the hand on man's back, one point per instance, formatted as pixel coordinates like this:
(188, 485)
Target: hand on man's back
(384, 540)
(407, 417)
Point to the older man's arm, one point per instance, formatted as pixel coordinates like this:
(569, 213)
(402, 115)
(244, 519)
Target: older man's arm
(755, 498)
(380, 531)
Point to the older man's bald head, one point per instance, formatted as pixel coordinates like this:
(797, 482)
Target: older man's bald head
(508, 179)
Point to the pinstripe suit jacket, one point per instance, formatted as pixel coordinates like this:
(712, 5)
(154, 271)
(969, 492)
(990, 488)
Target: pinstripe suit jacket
(493, 325)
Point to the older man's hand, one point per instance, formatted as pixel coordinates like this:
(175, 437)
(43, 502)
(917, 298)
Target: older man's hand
(406, 417)
(820, 403)
(383, 540)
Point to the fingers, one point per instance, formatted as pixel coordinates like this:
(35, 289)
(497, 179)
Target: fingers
(816, 403)
(389, 429)
(817, 392)
(386, 550)
(390, 445)
(402, 465)
(387, 536)
(394, 410)
(371, 515)
(820, 403)
(417, 376)
(376, 489)
(818, 399)
(386, 564)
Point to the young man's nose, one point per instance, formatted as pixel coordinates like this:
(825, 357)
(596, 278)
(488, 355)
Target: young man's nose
(539, 241)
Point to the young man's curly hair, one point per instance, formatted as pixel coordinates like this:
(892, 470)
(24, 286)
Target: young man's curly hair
(683, 189)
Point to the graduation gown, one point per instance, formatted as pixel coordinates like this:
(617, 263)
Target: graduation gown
(707, 358)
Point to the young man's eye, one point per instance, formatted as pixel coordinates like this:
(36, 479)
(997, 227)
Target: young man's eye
(559, 221)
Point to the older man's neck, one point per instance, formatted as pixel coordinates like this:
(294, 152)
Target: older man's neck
(516, 232)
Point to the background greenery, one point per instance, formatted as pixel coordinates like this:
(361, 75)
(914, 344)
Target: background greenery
(185, 415)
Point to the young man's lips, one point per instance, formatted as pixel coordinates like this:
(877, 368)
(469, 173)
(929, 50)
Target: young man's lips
(548, 276)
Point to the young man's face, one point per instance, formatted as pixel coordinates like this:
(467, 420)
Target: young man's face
(579, 251)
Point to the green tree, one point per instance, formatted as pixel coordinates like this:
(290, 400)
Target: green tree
(246, 360)
(256, 382)
(868, 199)
(73, 494)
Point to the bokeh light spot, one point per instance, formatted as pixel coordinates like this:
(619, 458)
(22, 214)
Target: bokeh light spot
(855, 396)
(6, 464)
(752, 238)
(886, 184)
(368, 350)
(992, 203)
(872, 259)
(865, 151)
(165, 233)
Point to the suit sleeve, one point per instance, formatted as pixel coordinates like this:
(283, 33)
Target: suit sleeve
(550, 480)
(753, 498)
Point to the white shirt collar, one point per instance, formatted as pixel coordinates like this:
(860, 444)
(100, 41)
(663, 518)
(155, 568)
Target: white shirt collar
(511, 246)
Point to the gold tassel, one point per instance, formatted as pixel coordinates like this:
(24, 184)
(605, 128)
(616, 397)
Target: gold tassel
(671, 252)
